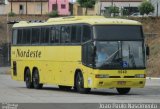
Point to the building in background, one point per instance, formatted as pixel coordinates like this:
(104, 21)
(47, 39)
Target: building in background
(28, 7)
(62, 6)
(78, 10)
(156, 4)
(3, 7)
(129, 5)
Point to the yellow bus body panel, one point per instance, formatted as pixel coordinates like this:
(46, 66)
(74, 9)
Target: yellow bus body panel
(57, 65)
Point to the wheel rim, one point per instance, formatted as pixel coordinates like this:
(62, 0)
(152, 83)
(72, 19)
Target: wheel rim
(80, 81)
(36, 79)
(27, 79)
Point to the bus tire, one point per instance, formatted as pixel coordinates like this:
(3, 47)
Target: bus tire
(123, 91)
(28, 79)
(35, 79)
(80, 84)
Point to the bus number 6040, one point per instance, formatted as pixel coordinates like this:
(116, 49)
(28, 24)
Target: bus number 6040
(122, 71)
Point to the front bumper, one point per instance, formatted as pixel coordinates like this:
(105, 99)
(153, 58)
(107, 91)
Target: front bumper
(117, 83)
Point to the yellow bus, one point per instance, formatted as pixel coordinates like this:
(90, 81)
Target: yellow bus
(81, 52)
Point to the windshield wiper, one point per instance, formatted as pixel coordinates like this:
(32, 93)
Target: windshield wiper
(112, 63)
(113, 54)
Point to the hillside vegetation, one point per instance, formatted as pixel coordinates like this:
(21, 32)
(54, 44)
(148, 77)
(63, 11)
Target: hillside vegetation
(150, 26)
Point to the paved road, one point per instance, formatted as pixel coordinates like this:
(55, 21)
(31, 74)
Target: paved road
(15, 92)
(4, 70)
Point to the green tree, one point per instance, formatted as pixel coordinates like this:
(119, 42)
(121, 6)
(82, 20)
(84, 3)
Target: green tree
(54, 13)
(86, 4)
(113, 9)
(146, 7)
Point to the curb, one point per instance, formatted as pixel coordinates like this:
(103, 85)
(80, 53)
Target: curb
(152, 78)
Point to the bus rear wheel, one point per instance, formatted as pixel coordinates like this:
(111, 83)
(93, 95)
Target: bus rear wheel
(80, 84)
(28, 79)
(35, 78)
(123, 91)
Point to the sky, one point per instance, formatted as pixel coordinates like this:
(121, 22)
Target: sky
(72, 0)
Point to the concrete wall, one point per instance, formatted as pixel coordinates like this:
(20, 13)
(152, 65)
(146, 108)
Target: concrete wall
(78, 10)
(155, 3)
(2, 9)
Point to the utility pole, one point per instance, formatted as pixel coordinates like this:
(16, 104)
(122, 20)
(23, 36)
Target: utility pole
(100, 7)
(157, 8)
(56, 6)
(112, 3)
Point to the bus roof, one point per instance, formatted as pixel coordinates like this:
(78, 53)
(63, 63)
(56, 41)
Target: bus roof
(92, 20)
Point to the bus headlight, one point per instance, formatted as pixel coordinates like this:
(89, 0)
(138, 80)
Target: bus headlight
(101, 76)
(140, 76)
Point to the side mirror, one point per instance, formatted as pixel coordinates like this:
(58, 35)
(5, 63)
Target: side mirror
(147, 50)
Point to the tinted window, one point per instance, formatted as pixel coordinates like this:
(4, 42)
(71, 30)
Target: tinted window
(86, 33)
(26, 36)
(35, 35)
(20, 36)
(65, 34)
(44, 35)
(14, 36)
(87, 54)
(54, 35)
(118, 32)
(76, 34)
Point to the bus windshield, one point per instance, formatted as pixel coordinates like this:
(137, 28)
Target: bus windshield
(119, 54)
(117, 32)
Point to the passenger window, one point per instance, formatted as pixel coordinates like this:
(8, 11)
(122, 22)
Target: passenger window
(54, 35)
(65, 34)
(87, 54)
(76, 34)
(14, 37)
(86, 33)
(26, 36)
(44, 35)
(20, 36)
(35, 35)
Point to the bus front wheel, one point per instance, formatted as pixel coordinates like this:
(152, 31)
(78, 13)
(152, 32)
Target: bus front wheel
(80, 84)
(36, 83)
(28, 80)
(123, 91)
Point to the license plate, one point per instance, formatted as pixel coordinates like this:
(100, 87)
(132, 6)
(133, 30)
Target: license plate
(121, 82)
